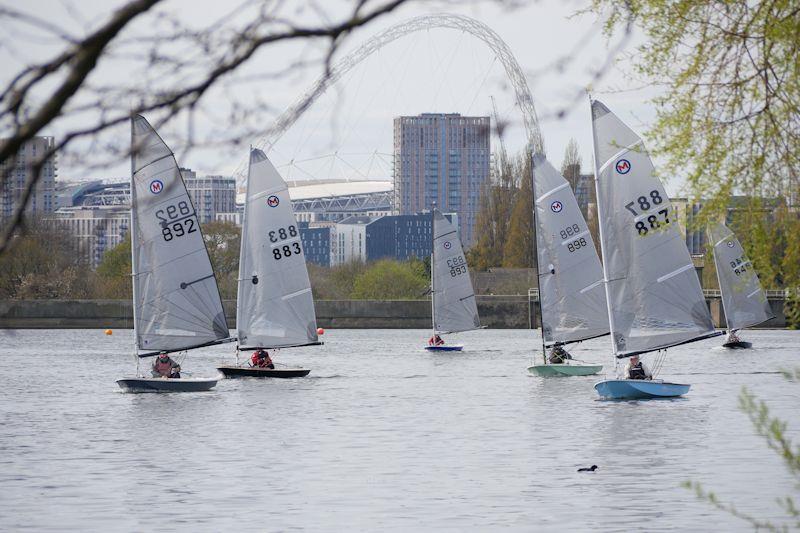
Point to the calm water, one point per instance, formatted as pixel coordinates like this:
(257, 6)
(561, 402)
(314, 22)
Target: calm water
(382, 435)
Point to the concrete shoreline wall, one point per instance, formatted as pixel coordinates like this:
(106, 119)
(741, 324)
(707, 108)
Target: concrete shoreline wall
(495, 311)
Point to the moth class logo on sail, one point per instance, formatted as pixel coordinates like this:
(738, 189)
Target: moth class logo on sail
(730, 244)
(623, 166)
(273, 201)
(556, 207)
(156, 186)
(447, 245)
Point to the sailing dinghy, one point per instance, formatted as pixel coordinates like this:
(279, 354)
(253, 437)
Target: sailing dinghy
(743, 300)
(176, 301)
(453, 307)
(274, 307)
(653, 294)
(572, 302)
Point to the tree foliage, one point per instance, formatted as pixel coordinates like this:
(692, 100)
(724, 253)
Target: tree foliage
(504, 226)
(223, 242)
(729, 116)
(45, 264)
(391, 280)
(114, 272)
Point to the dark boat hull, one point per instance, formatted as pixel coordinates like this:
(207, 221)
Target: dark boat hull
(445, 348)
(738, 344)
(140, 385)
(253, 372)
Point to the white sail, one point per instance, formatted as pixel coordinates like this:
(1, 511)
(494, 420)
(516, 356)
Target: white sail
(454, 306)
(275, 307)
(176, 298)
(743, 299)
(655, 299)
(573, 298)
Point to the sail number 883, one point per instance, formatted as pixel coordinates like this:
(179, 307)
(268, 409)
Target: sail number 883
(282, 234)
(652, 222)
(457, 266)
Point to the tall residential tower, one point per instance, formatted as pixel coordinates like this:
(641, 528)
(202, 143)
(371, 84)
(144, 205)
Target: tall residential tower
(441, 157)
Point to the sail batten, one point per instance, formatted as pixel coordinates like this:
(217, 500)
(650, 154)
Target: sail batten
(573, 304)
(176, 298)
(454, 306)
(654, 295)
(744, 301)
(275, 306)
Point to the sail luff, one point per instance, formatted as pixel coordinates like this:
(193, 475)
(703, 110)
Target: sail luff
(654, 294)
(134, 246)
(242, 239)
(601, 232)
(433, 277)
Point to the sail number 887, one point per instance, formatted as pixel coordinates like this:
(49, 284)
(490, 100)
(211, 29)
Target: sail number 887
(651, 222)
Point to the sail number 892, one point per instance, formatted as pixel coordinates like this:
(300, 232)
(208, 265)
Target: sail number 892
(176, 220)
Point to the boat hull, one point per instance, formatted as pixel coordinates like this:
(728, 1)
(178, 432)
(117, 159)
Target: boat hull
(562, 370)
(445, 348)
(233, 372)
(639, 389)
(140, 385)
(738, 345)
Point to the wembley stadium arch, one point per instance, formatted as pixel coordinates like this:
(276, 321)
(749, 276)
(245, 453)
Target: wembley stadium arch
(463, 23)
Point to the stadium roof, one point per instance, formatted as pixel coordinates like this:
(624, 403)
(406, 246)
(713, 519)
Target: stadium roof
(309, 190)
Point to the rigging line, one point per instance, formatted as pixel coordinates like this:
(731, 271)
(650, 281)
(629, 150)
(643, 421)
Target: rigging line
(407, 54)
(354, 118)
(483, 82)
(443, 77)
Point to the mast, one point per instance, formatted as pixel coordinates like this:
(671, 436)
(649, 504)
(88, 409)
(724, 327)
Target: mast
(719, 281)
(242, 241)
(603, 251)
(536, 258)
(433, 275)
(134, 245)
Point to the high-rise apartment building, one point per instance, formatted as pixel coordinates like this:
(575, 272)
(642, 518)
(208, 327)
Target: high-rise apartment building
(442, 158)
(15, 178)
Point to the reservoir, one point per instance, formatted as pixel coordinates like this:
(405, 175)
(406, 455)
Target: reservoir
(385, 436)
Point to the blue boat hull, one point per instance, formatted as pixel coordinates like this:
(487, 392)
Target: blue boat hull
(445, 348)
(639, 389)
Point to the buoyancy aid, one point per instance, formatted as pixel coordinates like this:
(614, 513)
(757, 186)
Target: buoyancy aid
(637, 372)
(163, 367)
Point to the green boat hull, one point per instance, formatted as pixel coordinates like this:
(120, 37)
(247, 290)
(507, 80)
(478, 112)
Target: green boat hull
(547, 371)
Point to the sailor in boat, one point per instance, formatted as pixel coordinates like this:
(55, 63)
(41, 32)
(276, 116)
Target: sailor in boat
(732, 337)
(436, 340)
(261, 359)
(635, 369)
(165, 367)
(559, 355)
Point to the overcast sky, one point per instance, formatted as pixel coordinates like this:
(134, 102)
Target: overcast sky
(436, 70)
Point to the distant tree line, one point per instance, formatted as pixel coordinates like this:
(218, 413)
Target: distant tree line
(47, 264)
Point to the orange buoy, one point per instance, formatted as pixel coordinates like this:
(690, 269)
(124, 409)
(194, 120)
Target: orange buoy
(109, 332)
(320, 331)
